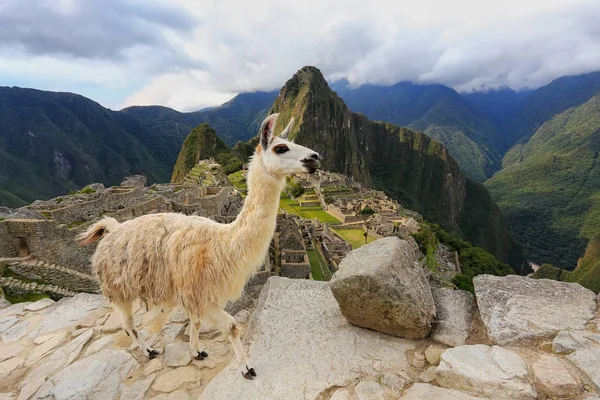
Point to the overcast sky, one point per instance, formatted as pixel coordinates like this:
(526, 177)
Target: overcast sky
(189, 54)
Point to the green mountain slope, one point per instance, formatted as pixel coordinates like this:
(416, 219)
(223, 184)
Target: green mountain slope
(551, 196)
(543, 104)
(411, 167)
(438, 111)
(54, 142)
(587, 272)
(238, 119)
(200, 144)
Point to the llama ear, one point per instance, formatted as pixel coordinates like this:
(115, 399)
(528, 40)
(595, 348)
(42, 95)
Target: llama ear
(285, 133)
(266, 130)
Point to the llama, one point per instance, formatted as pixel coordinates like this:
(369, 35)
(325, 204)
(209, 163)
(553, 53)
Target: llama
(193, 261)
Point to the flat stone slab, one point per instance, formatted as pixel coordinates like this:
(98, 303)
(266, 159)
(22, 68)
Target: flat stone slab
(588, 361)
(71, 312)
(516, 309)
(554, 379)
(424, 391)
(40, 304)
(301, 345)
(489, 371)
(93, 378)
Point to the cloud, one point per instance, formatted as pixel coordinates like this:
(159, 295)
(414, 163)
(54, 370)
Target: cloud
(107, 29)
(188, 54)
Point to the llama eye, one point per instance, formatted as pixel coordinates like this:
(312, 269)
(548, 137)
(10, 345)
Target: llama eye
(280, 149)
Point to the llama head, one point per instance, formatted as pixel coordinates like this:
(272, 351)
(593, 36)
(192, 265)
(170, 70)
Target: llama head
(280, 156)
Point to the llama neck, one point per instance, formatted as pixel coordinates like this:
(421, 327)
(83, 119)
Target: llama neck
(253, 229)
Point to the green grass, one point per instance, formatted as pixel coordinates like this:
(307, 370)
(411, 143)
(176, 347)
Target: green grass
(25, 297)
(318, 266)
(354, 236)
(307, 212)
(238, 180)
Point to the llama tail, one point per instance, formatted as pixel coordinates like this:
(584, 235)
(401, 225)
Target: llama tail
(96, 231)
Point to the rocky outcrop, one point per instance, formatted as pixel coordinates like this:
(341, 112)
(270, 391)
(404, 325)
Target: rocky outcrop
(381, 286)
(454, 316)
(302, 347)
(138, 181)
(516, 309)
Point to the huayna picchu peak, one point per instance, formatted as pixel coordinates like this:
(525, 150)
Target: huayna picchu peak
(409, 166)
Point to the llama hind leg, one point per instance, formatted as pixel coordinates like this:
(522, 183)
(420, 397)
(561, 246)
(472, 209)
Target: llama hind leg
(126, 312)
(226, 323)
(197, 353)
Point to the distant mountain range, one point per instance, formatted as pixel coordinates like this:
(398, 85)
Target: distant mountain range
(53, 142)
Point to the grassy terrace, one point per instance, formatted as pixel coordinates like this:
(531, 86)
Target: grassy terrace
(354, 236)
(238, 180)
(318, 267)
(307, 212)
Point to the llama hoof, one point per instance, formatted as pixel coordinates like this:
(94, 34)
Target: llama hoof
(201, 355)
(250, 374)
(152, 353)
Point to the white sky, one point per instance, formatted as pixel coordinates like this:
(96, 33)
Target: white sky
(189, 54)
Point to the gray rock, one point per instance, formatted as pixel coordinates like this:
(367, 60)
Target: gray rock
(8, 396)
(14, 310)
(178, 315)
(96, 186)
(517, 309)
(101, 344)
(394, 382)
(454, 315)
(40, 304)
(482, 370)
(59, 359)
(71, 312)
(381, 287)
(4, 303)
(7, 322)
(341, 394)
(175, 378)
(301, 345)
(138, 390)
(10, 351)
(177, 354)
(96, 377)
(588, 362)
(170, 332)
(424, 391)
(369, 390)
(15, 332)
(138, 181)
(554, 379)
(567, 341)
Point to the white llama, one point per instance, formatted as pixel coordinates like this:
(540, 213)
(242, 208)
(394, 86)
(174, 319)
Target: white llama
(193, 261)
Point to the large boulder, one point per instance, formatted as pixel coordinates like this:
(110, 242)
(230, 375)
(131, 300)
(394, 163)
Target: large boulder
(301, 347)
(382, 287)
(489, 371)
(138, 181)
(454, 316)
(515, 308)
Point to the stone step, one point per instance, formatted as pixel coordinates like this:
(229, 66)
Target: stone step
(45, 265)
(35, 287)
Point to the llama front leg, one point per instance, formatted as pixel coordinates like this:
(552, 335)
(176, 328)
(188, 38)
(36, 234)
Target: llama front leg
(126, 312)
(226, 324)
(197, 353)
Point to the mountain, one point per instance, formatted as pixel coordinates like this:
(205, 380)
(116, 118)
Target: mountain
(200, 144)
(551, 193)
(587, 272)
(236, 120)
(409, 166)
(543, 104)
(438, 111)
(54, 142)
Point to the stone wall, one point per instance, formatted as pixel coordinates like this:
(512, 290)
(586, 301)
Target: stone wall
(47, 241)
(110, 200)
(295, 270)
